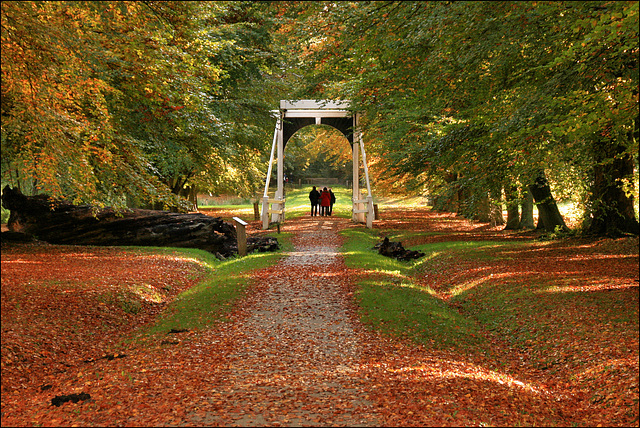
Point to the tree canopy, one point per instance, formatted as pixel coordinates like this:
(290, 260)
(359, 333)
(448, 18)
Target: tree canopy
(492, 93)
(103, 101)
(473, 101)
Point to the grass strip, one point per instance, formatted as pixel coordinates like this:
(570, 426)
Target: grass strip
(210, 301)
(392, 300)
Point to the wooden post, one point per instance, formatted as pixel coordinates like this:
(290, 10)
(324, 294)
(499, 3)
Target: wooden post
(279, 217)
(265, 199)
(375, 211)
(256, 210)
(369, 211)
(241, 233)
(265, 213)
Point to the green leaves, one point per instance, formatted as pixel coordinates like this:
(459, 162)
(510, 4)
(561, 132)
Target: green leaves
(542, 80)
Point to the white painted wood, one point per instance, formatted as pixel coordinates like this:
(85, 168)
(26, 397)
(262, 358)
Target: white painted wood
(316, 109)
(239, 220)
(314, 104)
(370, 213)
(317, 113)
(356, 183)
(273, 148)
(279, 217)
(364, 163)
(265, 213)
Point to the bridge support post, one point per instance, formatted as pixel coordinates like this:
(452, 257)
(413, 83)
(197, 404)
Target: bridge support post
(357, 206)
(265, 198)
(278, 217)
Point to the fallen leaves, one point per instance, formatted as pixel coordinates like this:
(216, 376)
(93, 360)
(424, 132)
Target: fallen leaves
(295, 352)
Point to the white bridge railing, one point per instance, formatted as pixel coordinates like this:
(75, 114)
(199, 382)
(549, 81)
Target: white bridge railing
(274, 208)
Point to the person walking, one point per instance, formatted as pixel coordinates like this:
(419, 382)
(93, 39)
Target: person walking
(314, 197)
(332, 201)
(325, 202)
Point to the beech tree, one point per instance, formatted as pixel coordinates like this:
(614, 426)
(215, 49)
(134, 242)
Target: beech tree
(493, 95)
(480, 102)
(108, 101)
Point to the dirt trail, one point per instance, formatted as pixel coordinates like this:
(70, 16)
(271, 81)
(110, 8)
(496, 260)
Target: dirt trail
(295, 361)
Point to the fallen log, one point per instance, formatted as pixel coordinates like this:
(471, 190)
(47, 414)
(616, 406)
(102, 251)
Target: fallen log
(396, 250)
(60, 222)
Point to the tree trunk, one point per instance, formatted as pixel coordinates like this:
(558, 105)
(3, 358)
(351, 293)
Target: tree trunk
(481, 209)
(59, 222)
(448, 199)
(487, 208)
(193, 196)
(513, 216)
(526, 213)
(611, 209)
(495, 203)
(549, 216)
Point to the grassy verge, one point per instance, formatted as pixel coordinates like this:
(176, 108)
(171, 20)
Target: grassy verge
(392, 299)
(211, 300)
(492, 298)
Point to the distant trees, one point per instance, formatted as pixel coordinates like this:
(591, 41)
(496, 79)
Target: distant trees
(117, 102)
(477, 100)
(315, 152)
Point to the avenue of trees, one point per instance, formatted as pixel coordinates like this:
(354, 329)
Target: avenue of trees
(482, 104)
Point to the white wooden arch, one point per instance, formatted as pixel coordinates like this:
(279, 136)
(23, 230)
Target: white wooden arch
(294, 115)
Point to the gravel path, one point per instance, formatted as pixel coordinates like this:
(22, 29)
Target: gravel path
(295, 363)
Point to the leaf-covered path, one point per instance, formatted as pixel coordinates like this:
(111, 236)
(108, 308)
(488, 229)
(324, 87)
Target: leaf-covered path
(296, 349)
(295, 353)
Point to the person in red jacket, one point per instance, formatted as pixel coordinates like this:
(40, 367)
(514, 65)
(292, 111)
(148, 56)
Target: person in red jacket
(325, 202)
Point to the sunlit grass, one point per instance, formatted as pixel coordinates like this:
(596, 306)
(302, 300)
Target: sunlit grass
(298, 205)
(408, 310)
(404, 202)
(210, 301)
(394, 302)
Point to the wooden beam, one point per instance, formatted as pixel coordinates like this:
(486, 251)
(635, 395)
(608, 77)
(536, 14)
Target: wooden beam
(317, 113)
(314, 104)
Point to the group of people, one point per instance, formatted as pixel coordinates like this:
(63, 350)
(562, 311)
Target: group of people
(324, 199)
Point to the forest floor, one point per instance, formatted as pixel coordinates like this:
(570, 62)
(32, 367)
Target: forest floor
(295, 352)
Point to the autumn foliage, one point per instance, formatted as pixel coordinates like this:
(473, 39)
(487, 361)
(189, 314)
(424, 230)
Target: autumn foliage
(295, 351)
